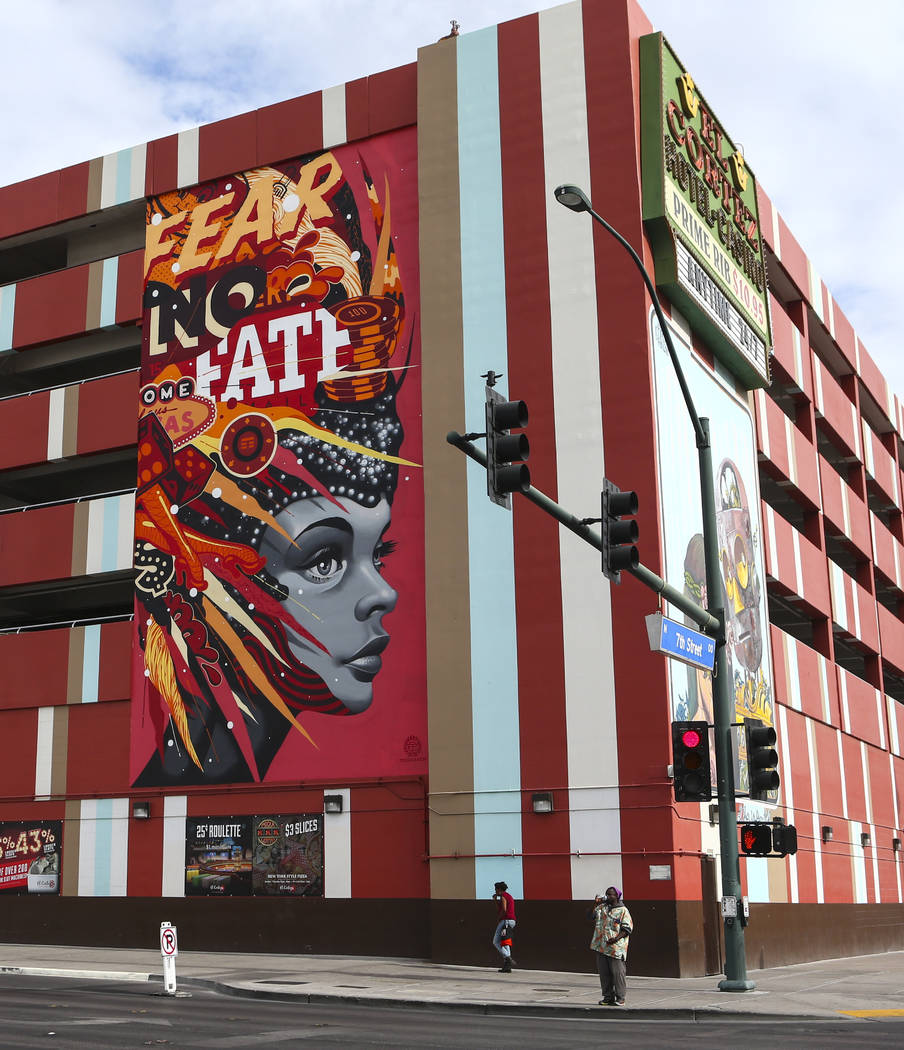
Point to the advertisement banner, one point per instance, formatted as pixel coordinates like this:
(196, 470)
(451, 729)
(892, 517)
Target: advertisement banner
(30, 856)
(741, 557)
(279, 627)
(218, 857)
(288, 855)
(700, 206)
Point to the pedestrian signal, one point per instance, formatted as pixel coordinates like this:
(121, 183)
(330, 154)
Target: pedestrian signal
(756, 839)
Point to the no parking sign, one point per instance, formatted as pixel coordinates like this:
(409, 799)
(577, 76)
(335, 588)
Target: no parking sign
(169, 945)
(169, 949)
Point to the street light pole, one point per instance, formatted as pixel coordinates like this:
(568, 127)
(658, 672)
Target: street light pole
(723, 702)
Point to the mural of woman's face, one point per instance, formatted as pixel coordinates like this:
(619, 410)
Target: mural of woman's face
(332, 570)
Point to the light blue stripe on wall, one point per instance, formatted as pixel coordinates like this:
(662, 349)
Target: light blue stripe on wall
(7, 313)
(108, 292)
(103, 846)
(494, 666)
(110, 540)
(124, 176)
(91, 664)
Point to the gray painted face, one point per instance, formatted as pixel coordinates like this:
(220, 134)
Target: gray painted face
(332, 572)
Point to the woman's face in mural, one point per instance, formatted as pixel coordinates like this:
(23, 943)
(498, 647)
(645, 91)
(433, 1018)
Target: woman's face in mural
(332, 570)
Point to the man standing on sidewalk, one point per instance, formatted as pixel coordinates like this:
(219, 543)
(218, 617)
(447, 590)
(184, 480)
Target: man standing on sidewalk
(505, 909)
(612, 928)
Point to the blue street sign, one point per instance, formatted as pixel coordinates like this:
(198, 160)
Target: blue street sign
(680, 642)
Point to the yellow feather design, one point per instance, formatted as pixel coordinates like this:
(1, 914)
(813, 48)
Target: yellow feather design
(163, 675)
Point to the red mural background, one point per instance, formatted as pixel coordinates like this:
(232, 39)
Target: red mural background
(279, 629)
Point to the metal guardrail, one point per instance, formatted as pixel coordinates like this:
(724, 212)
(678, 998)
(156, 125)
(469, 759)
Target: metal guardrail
(64, 386)
(63, 502)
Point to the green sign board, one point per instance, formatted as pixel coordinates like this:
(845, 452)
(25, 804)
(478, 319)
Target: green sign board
(700, 207)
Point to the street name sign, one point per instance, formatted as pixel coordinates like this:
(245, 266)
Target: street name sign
(680, 642)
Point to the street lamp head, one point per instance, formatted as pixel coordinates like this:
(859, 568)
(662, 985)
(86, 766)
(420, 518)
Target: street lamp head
(572, 197)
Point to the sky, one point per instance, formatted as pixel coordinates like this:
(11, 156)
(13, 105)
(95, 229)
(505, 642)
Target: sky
(810, 93)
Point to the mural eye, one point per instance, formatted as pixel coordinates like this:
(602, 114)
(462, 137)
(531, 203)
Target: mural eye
(382, 551)
(324, 566)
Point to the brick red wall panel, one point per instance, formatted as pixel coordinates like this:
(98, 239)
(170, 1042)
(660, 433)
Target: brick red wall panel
(765, 208)
(23, 430)
(51, 306)
(871, 376)
(357, 109)
(145, 873)
(36, 545)
(611, 69)
(881, 792)
(853, 778)
(837, 877)
(388, 841)
(108, 413)
(73, 191)
(30, 204)
(795, 748)
(538, 593)
(826, 755)
(793, 259)
(114, 678)
(129, 285)
(227, 146)
(35, 668)
(19, 733)
(844, 335)
(899, 790)
(290, 129)
(162, 165)
(98, 762)
(393, 99)
(251, 802)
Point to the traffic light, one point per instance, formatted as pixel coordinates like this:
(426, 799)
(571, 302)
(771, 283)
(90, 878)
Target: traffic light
(784, 838)
(756, 838)
(762, 759)
(618, 536)
(690, 762)
(506, 453)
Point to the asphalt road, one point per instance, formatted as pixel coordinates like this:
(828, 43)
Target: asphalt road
(74, 1014)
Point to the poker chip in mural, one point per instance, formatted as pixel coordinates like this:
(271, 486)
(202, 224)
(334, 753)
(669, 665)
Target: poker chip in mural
(248, 444)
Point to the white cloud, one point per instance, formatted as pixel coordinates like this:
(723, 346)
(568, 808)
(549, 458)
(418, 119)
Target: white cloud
(808, 89)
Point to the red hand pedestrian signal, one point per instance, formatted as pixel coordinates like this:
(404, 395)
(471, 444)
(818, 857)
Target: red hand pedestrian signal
(756, 839)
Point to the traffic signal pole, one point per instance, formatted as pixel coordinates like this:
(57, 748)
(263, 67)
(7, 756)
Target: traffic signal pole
(723, 720)
(711, 620)
(575, 199)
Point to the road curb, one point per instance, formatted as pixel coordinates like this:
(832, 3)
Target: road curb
(530, 1009)
(90, 975)
(243, 991)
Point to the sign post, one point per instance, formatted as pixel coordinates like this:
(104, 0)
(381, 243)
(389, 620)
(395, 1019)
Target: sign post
(169, 949)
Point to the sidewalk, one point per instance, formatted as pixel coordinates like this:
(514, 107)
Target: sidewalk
(869, 986)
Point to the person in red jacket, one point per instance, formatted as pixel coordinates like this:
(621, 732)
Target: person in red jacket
(505, 908)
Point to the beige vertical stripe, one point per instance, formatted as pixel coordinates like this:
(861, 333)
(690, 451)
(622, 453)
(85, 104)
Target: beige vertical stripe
(445, 485)
(80, 538)
(76, 665)
(95, 178)
(60, 750)
(95, 288)
(70, 420)
(71, 829)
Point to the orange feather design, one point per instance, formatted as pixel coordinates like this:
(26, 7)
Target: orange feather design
(159, 663)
